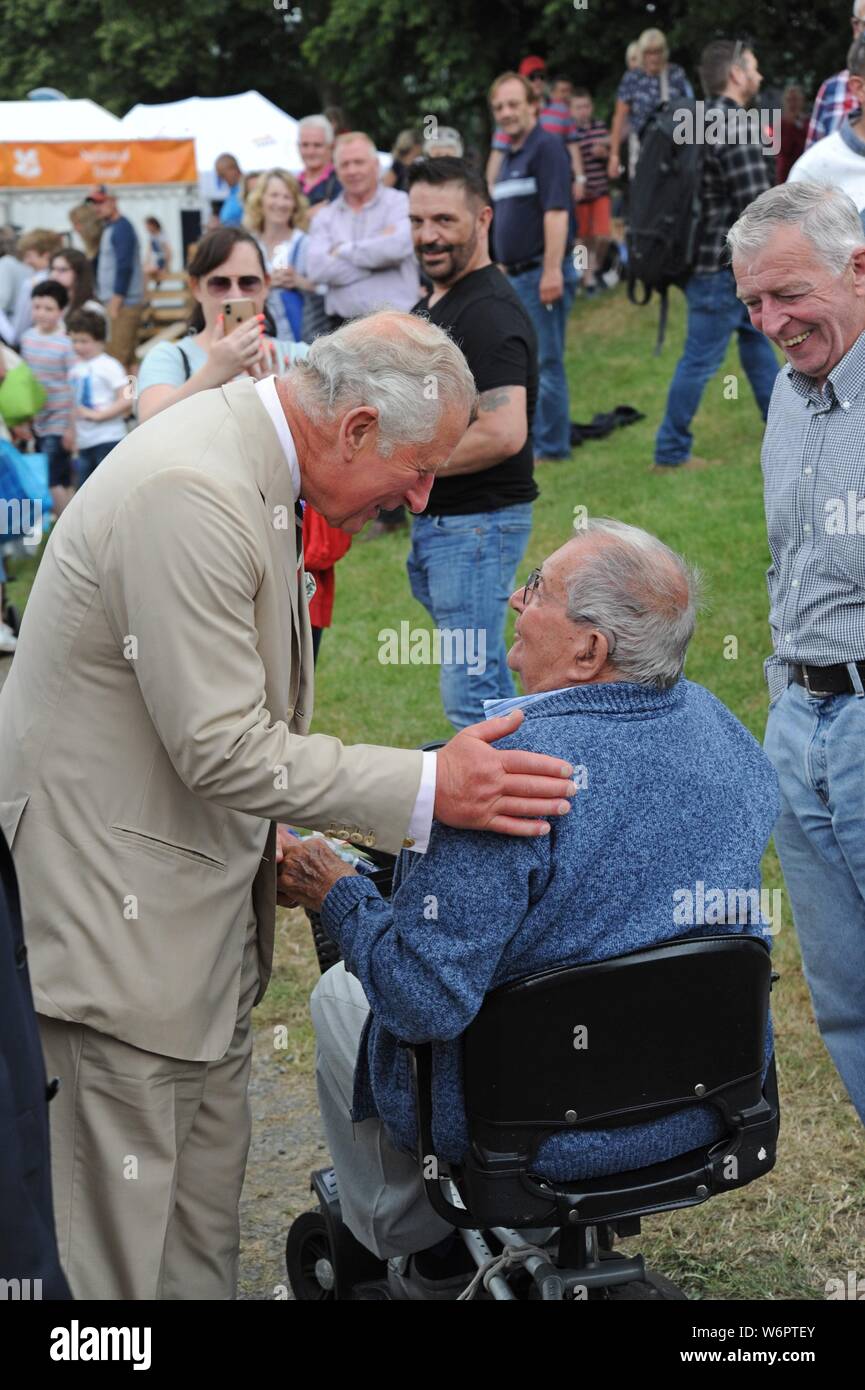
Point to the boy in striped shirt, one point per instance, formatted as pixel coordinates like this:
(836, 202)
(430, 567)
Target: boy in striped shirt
(593, 207)
(48, 353)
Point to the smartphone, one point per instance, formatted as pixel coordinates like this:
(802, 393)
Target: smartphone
(237, 311)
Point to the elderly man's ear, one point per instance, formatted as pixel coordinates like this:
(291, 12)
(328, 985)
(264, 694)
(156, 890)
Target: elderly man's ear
(358, 429)
(589, 654)
(857, 260)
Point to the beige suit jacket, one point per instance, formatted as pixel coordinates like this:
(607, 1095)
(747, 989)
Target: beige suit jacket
(153, 729)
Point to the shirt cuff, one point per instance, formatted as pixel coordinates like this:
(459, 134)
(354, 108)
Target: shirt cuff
(420, 824)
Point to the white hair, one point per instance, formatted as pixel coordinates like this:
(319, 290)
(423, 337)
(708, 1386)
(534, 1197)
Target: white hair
(444, 136)
(320, 122)
(641, 595)
(826, 215)
(652, 38)
(405, 367)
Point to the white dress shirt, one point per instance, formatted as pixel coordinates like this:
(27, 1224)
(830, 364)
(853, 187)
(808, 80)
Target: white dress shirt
(420, 824)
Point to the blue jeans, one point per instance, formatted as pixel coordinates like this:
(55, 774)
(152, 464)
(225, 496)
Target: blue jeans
(90, 458)
(462, 569)
(551, 430)
(816, 747)
(714, 313)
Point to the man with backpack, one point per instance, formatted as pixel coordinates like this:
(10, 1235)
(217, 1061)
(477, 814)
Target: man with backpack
(732, 171)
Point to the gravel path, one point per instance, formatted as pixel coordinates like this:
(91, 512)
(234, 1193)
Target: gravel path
(287, 1144)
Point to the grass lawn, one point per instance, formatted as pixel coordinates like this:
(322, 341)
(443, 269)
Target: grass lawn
(785, 1236)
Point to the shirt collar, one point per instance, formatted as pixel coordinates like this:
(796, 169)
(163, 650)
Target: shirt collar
(494, 707)
(370, 203)
(846, 378)
(306, 182)
(270, 400)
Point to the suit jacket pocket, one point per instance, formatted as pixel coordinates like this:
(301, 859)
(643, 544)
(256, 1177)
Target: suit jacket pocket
(143, 840)
(10, 817)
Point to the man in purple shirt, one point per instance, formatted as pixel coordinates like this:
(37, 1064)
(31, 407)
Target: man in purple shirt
(360, 245)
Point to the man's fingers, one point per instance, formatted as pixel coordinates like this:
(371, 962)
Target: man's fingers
(544, 788)
(531, 806)
(506, 825)
(535, 764)
(498, 727)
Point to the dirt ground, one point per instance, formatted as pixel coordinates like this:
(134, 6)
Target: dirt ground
(287, 1143)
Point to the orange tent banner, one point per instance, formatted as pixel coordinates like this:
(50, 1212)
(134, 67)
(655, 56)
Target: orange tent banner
(62, 164)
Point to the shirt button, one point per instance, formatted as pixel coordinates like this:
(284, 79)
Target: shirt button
(794, 583)
(408, 843)
(809, 469)
(845, 405)
(807, 526)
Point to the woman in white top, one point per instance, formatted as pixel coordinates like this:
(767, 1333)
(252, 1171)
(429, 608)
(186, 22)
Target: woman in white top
(72, 269)
(228, 264)
(277, 213)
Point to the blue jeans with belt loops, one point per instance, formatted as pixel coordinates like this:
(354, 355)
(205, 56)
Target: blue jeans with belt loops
(818, 749)
(463, 570)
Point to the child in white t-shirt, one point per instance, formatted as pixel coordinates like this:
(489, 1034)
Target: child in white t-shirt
(103, 395)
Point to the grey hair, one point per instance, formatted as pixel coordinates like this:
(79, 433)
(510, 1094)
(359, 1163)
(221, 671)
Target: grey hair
(321, 122)
(405, 367)
(826, 215)
(445, 135)
(641, 595)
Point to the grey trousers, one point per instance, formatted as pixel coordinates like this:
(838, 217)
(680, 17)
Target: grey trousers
(381, 1190)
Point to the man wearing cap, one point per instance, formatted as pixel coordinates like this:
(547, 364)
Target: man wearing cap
(119, 280)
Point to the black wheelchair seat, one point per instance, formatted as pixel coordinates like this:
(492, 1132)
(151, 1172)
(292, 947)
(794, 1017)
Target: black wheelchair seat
(602, 1045)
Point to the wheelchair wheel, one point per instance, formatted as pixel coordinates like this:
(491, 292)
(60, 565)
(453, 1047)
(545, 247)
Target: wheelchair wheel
(656, 1288)
(309, 1259)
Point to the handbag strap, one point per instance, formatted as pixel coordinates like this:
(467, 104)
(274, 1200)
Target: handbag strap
(187, 370)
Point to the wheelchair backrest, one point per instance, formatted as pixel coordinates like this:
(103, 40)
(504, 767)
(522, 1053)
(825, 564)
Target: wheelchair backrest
(619, 1041)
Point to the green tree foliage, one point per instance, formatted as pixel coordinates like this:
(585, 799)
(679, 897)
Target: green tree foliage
(388, 63)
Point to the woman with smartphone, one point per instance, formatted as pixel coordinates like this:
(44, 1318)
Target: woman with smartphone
(277, 214)
(227, 333)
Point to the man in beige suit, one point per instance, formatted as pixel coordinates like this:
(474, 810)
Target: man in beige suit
(153, 731)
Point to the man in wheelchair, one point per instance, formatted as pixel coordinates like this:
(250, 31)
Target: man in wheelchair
(676, 802)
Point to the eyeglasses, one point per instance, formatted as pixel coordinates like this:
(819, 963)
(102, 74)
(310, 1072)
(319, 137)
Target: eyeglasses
(530, 589)
(220, 285)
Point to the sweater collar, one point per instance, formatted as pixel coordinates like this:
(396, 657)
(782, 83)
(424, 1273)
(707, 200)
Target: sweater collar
(606, 697)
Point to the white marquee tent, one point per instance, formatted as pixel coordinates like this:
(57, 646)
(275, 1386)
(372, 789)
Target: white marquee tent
(57, 120)
(247, 125)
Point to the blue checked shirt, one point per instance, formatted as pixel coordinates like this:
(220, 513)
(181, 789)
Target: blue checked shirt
(814, 487)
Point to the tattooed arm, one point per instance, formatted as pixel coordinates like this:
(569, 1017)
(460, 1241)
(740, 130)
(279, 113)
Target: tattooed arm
(498, 431)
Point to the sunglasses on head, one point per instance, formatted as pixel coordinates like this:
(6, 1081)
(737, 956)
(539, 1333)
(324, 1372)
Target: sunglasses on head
(219, 285)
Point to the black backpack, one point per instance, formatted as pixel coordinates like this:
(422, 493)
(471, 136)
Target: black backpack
(663, 208)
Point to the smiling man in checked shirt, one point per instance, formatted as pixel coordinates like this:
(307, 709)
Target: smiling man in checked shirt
(799, 262)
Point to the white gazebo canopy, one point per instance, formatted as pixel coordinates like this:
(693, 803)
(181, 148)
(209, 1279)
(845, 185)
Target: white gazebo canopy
(78, 119)
(247, 125)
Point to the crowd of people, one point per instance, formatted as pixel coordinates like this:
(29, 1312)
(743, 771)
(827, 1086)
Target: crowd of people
(357, 290)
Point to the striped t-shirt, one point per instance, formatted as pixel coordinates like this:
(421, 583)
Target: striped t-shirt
(50, 357)
(594, 166)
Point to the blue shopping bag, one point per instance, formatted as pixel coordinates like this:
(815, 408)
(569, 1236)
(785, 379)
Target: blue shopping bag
(24, 495)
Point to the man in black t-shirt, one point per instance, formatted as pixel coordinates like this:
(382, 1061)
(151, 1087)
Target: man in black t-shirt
(469, 542)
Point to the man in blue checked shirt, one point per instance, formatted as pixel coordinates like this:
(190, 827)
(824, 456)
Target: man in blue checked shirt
(799, 262)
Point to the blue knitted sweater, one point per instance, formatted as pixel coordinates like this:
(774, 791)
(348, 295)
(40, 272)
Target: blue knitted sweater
(677, 794)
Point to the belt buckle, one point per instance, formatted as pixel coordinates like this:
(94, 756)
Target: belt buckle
(818, 694)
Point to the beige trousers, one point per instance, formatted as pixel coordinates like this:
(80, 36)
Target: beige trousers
(148, 1155)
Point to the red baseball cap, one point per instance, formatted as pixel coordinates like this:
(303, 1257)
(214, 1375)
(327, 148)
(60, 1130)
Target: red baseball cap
(529, 66)
(98, 194)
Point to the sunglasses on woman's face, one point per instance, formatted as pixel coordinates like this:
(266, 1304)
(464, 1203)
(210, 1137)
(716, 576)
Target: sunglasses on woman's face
(220, 285)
